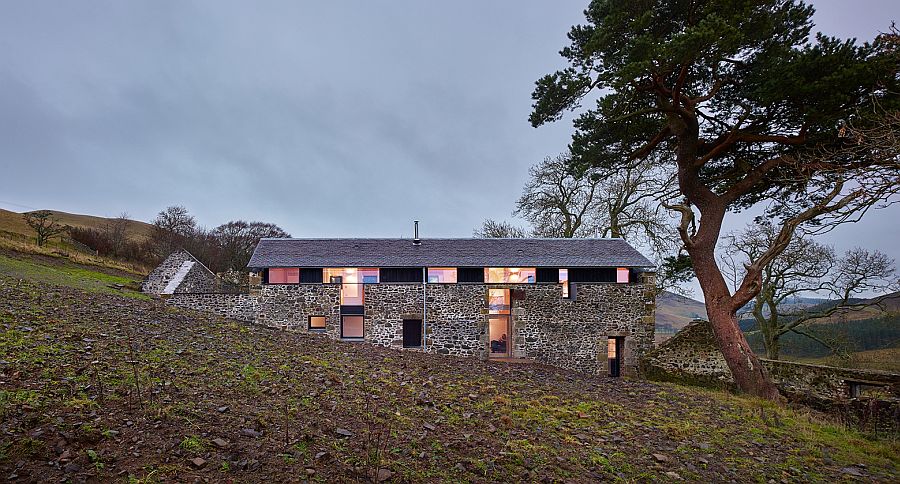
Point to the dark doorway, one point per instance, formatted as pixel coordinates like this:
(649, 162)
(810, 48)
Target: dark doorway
(614, 349)
(412, 333)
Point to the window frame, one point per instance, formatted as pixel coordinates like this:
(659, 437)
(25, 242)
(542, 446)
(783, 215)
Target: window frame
(309, 325)
(355, 338)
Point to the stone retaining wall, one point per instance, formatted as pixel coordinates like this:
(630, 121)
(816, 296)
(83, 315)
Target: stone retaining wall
(691, 356)
(242, 307)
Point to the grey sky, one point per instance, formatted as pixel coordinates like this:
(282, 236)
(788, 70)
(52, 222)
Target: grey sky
(327, 118)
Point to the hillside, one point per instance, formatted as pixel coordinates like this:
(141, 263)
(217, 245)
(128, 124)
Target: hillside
(13, 223)
(94, 386)
(674, 312)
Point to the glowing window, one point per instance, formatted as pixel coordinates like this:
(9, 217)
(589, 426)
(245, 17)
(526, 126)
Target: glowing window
(564, 280)
(352, 327)
(498, 301)
(351, 283)
(284, 275)
(511, 275)
(622, 275)
(442, 274)
(317, 322)
(368, 276)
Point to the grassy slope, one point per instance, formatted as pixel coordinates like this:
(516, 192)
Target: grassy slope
(61, 271)
(13, 222)
(69, 387)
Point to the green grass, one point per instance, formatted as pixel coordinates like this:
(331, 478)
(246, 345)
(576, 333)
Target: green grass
(70, 275)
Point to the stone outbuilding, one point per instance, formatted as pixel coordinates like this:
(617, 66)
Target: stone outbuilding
(181, 272)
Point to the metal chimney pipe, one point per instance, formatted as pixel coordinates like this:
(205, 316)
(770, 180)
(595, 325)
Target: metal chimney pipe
(416, 240)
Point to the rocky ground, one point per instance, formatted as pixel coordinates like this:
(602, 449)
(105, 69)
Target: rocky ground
(97, 387)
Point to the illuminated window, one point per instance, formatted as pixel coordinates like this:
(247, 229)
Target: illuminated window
(442, 274)
(511, 275)
(368, 276)
(350, 281)
(564, 280)
(284, 275)
(622, 275)
(498, 301)
(317, 322)
(352, 327)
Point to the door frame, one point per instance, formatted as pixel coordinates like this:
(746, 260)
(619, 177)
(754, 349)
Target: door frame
(508, 352)
(615, 364)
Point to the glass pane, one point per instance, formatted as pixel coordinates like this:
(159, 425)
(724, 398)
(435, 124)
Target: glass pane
(351, 280)
(622, 275)
(499, 325)
(564, 280)
(317, 322)
(442, 274)
(498, 301)
(352, 327)
(611, 348)
(512, 275)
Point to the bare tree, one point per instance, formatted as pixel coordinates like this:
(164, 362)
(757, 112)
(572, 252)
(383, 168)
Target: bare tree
(803, 267)
(172, 227)
(238, 238)
(116, 232)
(624, 202)
(492, 229)
(44, 224)
(557, 202)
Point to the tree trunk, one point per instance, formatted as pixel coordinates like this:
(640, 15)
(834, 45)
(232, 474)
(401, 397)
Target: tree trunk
(749, 374)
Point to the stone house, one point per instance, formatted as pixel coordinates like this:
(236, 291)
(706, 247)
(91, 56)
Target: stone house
(582, 304)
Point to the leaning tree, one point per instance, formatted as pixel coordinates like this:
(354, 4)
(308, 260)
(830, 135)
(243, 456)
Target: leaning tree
(748, 110)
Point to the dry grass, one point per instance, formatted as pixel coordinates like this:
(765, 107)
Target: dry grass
(13, 223)
(72, 256)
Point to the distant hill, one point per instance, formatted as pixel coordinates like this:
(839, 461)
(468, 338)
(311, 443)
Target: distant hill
(674, 312)
(13, 224)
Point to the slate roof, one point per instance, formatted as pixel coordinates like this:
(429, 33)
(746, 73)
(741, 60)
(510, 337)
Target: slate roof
(446, 253)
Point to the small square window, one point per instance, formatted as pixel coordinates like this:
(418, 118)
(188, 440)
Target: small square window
(352, 327)
(317, 322)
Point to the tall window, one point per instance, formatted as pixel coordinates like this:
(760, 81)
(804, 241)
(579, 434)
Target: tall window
(512, 275)
(351, 283)
(622, 275)
(564, 280)
(442, 274)
(284, 275)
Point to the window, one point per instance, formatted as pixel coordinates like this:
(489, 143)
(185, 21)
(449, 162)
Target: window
(317, 322)
(564, 280)
(498, 301)
(622, 275)
(350, 281)
(352, 327)
(512, 275)
(442, 275)
(284, 275)
(368, 276)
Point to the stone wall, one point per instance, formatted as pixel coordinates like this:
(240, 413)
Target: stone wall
(691, 356)
(242, 307)
(289, 306)
(570, 333)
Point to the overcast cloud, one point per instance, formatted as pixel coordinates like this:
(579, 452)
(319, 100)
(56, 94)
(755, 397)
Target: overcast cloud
(326, 118)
